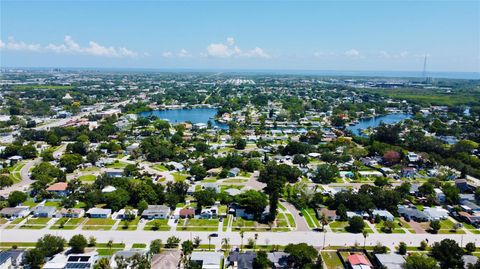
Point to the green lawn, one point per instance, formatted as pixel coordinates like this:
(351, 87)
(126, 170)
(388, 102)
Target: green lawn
(331, 259)
(35, 223)
(68, 224)
(397, 228)
(198, 225)
(87, 178)
(117, 164)
(249, 226)
(162, 225)
(128, 226)
(310, 218)
(291, 220)
(29, 203)
(179, 176)
(55, 204)
(160, 168)
(98, 224)
(139, 245)
(15, 172)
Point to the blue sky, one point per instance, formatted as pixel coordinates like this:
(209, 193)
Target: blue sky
(307, 35)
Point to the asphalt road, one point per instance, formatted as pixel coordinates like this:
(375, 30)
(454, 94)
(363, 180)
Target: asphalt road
(280, 238)
(24, 173)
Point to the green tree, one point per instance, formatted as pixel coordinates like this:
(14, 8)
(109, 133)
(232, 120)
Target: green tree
(435, 226)
(34, 258)
(50, 245)
(253, 201)
(402, 248)
(198, 171)
(326, 173)
(261, 261)
(356, 224)
(240, 144)
(420, 261)
(301, 255)
(17, 197)
(448, 253)
(470, 247)
(156, 246)
(205, 197)
(78, 243)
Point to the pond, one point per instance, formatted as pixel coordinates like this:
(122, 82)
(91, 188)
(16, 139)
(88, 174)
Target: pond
(194, 115)
(375, 122)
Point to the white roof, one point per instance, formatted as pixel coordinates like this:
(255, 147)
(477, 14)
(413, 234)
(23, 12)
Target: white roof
(209, 259)
(108, 189)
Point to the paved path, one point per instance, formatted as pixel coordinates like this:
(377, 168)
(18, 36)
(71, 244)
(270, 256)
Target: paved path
(299, 220)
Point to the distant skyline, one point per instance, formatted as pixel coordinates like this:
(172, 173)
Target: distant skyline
(290, 35)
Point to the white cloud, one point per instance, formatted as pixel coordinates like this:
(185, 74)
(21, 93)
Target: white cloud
(229, 49)
(70, 46)
(167, 54)
(183, 53)
(353, 53)
(387, 55)
(12, 44)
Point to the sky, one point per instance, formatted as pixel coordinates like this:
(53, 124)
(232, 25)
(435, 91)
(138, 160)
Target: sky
(356, 35)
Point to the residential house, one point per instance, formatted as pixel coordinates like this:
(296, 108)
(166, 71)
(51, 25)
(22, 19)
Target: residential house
(44, 211)
(238, 260)
(413, 157)
(439, 195)
(384, 214)
(5, 261)
(129, 149)
(99, 213)
(408, 172)
(412, 213)
(463, 185)
(470, 206)
(187, 213)
(168, 259)
(436, 213)
(207, 260)
(15, 212)
(59, 189)
(124, 214)
(114, 172)
(80, 261)
(279, 259)
(209, 212)
(72, 213)
(12, 258)
(330, 214)
(469, 261)
(390, 261)
(359, 261)
(233, 172)
(156, 212)
(176, 166)
(125, 254)
(211, 185)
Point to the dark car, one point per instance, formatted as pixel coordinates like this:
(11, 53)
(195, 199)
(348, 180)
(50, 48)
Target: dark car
(214, 235)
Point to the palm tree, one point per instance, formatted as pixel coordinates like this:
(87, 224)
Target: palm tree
(226, 243)
(110, 244)
(323, 220)
(241, 235)
(365, 235)
(256, 237)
